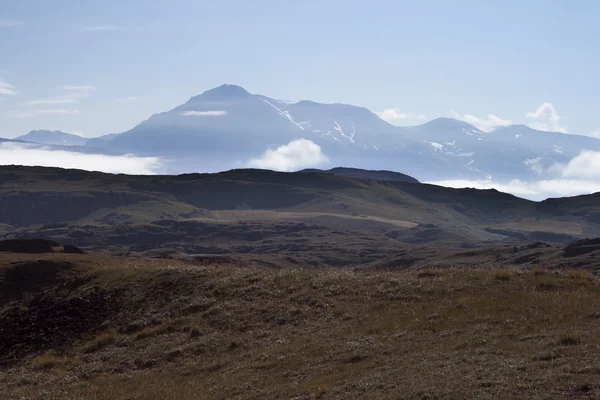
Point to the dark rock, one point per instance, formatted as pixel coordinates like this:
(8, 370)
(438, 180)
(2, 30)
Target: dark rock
(34, 246)
(70, 249)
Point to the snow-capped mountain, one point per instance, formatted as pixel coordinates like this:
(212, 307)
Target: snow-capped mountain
(225, 127)
(53, 138)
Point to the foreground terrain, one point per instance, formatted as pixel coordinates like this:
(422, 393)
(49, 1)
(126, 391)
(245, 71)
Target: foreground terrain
(103, 327)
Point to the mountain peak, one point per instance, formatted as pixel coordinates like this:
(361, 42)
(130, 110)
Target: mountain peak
(223, 92)
(448, 123)
(53, 137)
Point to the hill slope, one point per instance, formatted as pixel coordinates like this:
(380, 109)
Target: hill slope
(104, 328)
(319, 219)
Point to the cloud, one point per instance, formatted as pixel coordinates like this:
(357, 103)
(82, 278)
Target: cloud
(586, 165)
(32, 155)
(74, 93)
(7, 89)
(545, 118)
(484, 124)
(35, 113)
(293, 156)
(77, 88)
(130, 99)
(104, 28)
(216, 113)
(581, 175)
(53, 101)
(9, 23)
(394, 116)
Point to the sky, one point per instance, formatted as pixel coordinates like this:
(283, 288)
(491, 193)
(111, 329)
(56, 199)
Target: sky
(98, 67)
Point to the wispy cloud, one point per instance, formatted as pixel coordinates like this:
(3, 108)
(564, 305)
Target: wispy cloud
(9, 23)
(80, 88)
(53, 101)
(35, 113)
(487, 124)
(545, 118)
(215, 113)
(295, 155)
(7, 89)
(395, 116)
(130, 99)
(33, 155)
(104, 28)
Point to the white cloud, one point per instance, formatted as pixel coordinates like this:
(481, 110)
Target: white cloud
(77, 88)
(32, 155)
(130, 99)
(293, 156)
(9, 23)
(104, 28)
(53, 101)
(35, 113)
(581, 175)
(484, 124)
(395, 116)
(74, 93)
(545, 118)
(586, 165)
(216, 113)
(7, 89)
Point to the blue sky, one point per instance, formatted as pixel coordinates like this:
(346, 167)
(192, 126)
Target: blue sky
(98, 67)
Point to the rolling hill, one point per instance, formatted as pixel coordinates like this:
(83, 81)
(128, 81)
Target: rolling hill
(315, 218)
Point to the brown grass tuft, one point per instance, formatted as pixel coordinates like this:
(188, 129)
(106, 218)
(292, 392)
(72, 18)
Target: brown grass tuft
(431, 273)
(46, 361)
(580, 277)
(503, 274)
(543, 282)
(99, 342)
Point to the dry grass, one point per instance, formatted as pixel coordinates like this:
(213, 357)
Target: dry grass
(99, 342)
(46, 361)
(333, 334)
(503, 274)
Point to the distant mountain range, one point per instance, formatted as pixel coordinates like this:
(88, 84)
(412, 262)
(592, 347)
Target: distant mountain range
(225, 127)
(53, 138)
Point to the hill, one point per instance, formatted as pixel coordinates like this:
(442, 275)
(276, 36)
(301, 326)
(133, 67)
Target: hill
(278, 218)
(365, 174)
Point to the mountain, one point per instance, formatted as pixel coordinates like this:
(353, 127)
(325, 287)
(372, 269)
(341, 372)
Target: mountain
(227, 126)
(101, 141)
(53, 138)
(365, 174)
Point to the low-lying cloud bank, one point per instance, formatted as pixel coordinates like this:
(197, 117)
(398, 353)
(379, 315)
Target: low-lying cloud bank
(33, 155)
(579, 176)
(295, 155)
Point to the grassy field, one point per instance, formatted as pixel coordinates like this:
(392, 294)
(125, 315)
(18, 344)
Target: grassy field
(100, 327)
